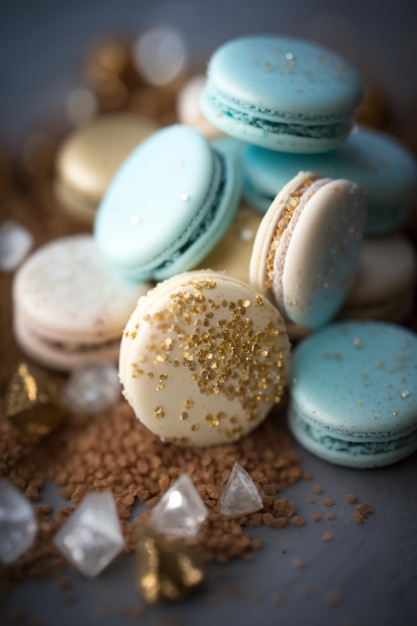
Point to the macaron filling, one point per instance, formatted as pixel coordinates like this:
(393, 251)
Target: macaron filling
(287, 214)
(279, 123)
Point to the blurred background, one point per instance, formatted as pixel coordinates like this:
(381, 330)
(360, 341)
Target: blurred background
(46, 47)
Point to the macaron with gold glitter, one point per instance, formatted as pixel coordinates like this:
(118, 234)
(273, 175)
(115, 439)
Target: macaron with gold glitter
(352, 393)
(90, 156)
(203, 359)
(307, 248)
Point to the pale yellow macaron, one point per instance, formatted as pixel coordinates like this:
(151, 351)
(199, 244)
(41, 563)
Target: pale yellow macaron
(203, 359)
(233, 252)
(91, 155)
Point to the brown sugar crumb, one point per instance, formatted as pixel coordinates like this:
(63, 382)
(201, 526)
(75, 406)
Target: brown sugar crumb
(64, 583)
(307, 475)
(333, 598)
(330, 515)
(350, 498)
(297, 520)
(278, 598)
(327, 536)
(328, 501)
(297, 563)
(212, 599)
(310, 500)
(232, 590)
(316, 517)
(357, 518)
(304, 591)
(365, 509)
(317, 489)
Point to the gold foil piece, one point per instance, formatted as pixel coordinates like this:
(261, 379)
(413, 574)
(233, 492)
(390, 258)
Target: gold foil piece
(33, 404)
(168, 570)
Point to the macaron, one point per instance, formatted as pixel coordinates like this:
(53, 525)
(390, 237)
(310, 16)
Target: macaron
(69, 306)
(306, 251)
(168, 205)
(90, 156)
(384, 169)
(203, 359)
(188, 107)
(281, 93)
(386, 280)
(233, 252)
(352, 393)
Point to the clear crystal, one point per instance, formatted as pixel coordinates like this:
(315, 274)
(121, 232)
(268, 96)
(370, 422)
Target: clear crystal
(93, 389)
(92, 537)
(181, 511)
(18, 524)
(240, 495)
(15, 243)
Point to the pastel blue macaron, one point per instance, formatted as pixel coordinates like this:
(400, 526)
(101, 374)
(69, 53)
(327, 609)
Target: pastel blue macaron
(353, 396)
(281, 93)
(384, 169)
(168, 205)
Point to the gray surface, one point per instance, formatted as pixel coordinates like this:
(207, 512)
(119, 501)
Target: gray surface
(373, 566)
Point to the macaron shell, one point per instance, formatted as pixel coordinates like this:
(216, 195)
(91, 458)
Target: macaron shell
(322, 255)
(67, 292)
(189, 355)
(91, 155)
(368, 371)
(154, 196)
(286, 75)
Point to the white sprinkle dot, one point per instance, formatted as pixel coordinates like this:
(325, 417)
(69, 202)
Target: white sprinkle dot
(135, 219)
(357, 342)
(180, 163)
(184, 197)
(405, 393)
(246, 234)
(289, 56)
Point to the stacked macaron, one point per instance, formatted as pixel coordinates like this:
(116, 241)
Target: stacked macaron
(333, 199)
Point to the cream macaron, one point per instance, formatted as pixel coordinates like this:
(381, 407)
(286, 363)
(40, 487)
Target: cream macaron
(70, 307)
(90, 156)
(203, 359)
(307, 248)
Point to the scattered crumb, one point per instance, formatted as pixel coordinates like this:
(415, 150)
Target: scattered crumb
(220, 575)
(278, 598)
(316, 517)
(232, 590)
(310, 500)
(212, 598)
(327, 536)
(317, 489)
(304, 591)
(68, 597)
(330, 515)
(357, 518)
(297, 563)
(365, 509)
(333, 598)
(350, 498)
(328, 501)
(64, 584)
(307, 475)
(297, 520)
(256, 595)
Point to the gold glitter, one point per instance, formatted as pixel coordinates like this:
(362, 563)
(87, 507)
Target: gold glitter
(189, 404)
(195, 427)
(184, 416)
(259, 300)
(159, 413)
(287, 212)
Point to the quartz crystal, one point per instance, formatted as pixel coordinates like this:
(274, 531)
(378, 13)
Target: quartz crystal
(167, 569)
(15, 243)
(180, 512)
(91, 537)
(18, 524)
(33, 403)
(240, 495)
(93, 389)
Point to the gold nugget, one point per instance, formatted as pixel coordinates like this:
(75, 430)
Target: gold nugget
(33, 404)
(168, 570)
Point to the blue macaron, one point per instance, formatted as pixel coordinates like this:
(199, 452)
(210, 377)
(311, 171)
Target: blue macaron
(281, 93)
(168, 205)
(384, 169)
(353, 397)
